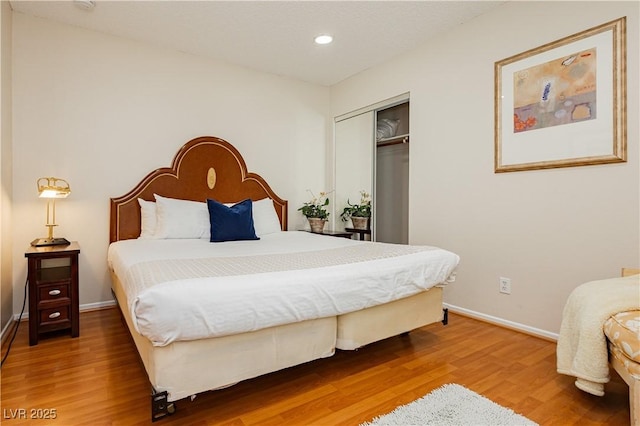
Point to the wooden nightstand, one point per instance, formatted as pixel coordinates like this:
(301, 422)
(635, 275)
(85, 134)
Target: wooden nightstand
(53, 290)
(361, 232)
(342, 234)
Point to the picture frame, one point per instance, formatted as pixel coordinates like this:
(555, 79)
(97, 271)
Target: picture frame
(563, 104)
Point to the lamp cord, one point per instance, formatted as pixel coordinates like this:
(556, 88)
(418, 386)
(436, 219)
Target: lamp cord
(15, 331)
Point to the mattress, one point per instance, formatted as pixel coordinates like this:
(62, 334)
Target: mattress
(182, 289)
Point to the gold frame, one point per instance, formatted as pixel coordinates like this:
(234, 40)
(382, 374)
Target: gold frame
(618, 100)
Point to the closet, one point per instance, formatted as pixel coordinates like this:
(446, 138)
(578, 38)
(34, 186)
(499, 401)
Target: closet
(372, 154)
(391, 189)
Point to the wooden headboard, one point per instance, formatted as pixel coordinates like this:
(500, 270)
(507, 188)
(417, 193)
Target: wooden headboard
(205, 167)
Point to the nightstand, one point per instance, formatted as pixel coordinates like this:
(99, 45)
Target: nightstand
(53, 290)
(361, 232)
(342, 234)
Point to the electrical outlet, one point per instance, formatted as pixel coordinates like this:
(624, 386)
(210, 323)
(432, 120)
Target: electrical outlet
(505, 285)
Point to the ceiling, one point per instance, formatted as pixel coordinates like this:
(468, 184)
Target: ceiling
(273, 36)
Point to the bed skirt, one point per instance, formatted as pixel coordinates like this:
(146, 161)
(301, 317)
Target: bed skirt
(359, 328)
(186, 368)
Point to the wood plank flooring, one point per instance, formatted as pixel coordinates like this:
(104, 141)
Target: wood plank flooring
(97, 379)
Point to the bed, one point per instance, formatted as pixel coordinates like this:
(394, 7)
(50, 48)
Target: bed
(357, 292)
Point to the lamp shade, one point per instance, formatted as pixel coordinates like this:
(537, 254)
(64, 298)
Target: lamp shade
(51, 187)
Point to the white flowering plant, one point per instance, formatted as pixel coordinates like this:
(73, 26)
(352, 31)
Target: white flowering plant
(316, 207)
(362, 209)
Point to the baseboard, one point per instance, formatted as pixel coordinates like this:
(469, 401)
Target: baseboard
(503, 322)
(455, 309)
(6, 331)
(83, 308)
(97, 306)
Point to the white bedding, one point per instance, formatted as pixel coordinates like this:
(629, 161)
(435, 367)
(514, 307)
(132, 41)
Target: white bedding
(295, 276)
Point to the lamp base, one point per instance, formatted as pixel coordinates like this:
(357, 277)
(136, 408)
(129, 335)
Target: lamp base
(43, 242)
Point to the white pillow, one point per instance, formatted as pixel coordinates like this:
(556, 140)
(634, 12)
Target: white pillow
(265, 218)
(181, 218)
(147, 219)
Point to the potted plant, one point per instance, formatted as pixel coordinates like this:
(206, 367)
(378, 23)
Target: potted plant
(358, 213)
(316, 212)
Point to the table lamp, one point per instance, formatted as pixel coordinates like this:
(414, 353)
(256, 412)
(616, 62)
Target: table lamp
(51, 188)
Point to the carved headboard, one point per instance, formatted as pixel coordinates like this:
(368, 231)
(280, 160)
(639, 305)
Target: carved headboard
(205, 167)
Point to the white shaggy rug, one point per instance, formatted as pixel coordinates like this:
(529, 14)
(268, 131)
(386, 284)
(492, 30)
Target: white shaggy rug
(451, 404)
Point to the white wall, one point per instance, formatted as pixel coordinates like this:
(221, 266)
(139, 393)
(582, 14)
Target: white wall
(6, 290)
(101, 112)
(547, 230)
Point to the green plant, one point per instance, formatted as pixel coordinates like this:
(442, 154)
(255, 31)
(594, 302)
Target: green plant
(316, 207)
(363, 209)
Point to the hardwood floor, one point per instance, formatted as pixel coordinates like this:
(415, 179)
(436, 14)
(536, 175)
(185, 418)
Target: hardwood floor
(97, 379)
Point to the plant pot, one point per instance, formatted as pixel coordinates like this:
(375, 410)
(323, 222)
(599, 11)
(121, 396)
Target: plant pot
(316, 224)
(360, 222)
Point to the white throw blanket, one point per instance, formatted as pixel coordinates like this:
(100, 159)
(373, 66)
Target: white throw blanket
(582, 345)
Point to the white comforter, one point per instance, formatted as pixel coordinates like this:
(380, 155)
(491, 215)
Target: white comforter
(192, 289)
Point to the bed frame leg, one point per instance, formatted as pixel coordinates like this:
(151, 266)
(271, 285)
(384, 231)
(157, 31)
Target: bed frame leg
(445, 317)
(160, 406)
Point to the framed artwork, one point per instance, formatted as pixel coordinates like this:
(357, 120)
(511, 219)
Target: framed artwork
(563, 104)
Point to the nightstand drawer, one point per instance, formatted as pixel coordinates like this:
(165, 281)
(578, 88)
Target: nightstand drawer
(54, 292)
(55, 316)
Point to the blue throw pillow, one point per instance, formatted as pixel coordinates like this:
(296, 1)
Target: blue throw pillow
(231, 223)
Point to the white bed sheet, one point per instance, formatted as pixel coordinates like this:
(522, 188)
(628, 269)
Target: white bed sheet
(203, 307)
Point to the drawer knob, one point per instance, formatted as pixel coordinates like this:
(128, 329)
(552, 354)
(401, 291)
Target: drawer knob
(54, 315)
(54, 292)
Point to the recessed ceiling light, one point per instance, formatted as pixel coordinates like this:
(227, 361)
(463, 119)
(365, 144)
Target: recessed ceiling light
(323, 39)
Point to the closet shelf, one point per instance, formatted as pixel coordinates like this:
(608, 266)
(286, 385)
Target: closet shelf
(394, 140)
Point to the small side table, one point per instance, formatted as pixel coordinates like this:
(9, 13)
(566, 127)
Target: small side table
(342, 234)
(361, 232)
(53, 290)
